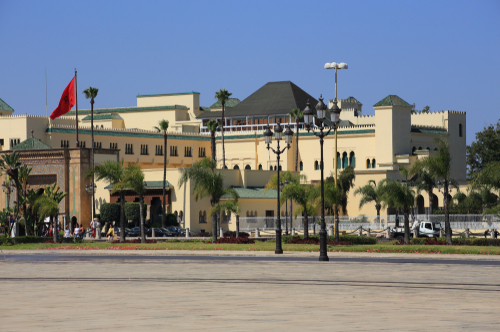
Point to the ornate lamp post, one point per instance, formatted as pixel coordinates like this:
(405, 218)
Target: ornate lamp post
(268, 135)
(90, 189)
(321, 110)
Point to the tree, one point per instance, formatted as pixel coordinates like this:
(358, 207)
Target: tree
(10, 165)
(296, 113)
(425, 182)
(113, 172)
(47, 205)
(370, 193)
(344, 184)
(227, 206)
(286, 176)
(206, 182)
(162, 128)
(222, 95)
(213, 126)
(91, 93)
(484, 150)
(134, 180)
(439, 167)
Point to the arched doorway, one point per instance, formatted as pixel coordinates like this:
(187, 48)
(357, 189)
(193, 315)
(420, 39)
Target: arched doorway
(435, 202)
(420, 205)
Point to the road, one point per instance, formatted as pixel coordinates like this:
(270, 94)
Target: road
(147, 292)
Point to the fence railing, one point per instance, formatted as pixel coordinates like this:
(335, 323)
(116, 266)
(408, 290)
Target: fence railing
(471, 221)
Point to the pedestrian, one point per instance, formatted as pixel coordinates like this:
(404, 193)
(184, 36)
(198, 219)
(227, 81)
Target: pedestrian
(98, 227)
(93, 227)
(397, 221)
(110, 233)
(67, 232)
(76, 231)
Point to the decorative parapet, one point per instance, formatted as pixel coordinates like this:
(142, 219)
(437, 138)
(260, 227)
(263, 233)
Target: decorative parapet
(438, 112)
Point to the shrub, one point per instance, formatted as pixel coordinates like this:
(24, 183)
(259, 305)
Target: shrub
(9, 241)
(234, 240)
(233, 234)
(315, 240)
(110, 212)
(476, 242)
(343, 238)
(132, 212)
(171, 220)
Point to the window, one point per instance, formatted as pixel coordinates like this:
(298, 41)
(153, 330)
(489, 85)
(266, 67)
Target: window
(113, 145)
(316, 165)
(236, 167)
(201, 152)
(82, 144)
(368, 164)
(173, 151)
(159, 150)
(338, 160)
(187, 151)
(413, 150)
(279, 167)
(420, 148)
(97, 145)
(14, 142)
(248, 167)
(301, 166)
(260, 167)
(352, 159)
(203, 217)
(144, 150)
(129, 149)
(64, 144)
(344, 160)
(373, 163)
(459, 130)
(270, 168)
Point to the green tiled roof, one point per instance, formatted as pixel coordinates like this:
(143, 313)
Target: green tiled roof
(205, 109)
(103, 117)
(256, 193)
(149, 185)
(392, 100)
(4, 106)
(32, 144)
(230, 102)
(352, 100)
(103, 132)
(438, 131)
(130, 109)
(302, 133)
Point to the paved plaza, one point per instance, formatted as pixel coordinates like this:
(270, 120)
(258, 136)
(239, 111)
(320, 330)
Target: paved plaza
(152, 291)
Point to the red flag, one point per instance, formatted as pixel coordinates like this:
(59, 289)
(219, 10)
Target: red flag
(67, 101)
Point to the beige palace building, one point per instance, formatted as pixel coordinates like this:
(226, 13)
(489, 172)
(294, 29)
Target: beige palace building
(376, 145)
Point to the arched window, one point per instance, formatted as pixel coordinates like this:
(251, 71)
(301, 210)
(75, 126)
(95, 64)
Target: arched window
(413, 150)
(260, 167)
(251, 214)
(248, 167)
(316, 165)
(460, 130)
(338, 160)
(428, 148)
(181, 215)
(200, 217)
(225, 167)
(420, 148)
(279, 167)
(344, 160)
(255, 214)
(373, 163)
(236, 167)
(248, 214)
(368, 163)
(275, 168)
(204, 216)
(301, 166)
(352, 159)
(270, 168)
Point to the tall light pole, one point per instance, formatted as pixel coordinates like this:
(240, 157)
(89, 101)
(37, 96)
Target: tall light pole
(334, 65)
(321, 110)
(268, 135)
(90, 189)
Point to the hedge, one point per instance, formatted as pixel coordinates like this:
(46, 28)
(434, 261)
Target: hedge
(110, 212)
(132, 212)
(343, 238)
(462, 241)
(171, 220)
(10, 241)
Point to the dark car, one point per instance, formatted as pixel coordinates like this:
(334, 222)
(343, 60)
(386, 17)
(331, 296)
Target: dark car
(132, 233)
(158, 232)
(177, 231)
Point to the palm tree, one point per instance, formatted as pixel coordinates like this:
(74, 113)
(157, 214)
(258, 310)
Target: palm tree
(213, 126)
(439, 166)
(47, 205)
(296, 113)
(424, 181)
(228, 206)
(24, 173)
(222, 95)
(91, 93)
(134, 180)
(288, 177)
(113, 172)
(370, 193)
(344, 184)
(162, 128)
(206, 182)
(10, 165)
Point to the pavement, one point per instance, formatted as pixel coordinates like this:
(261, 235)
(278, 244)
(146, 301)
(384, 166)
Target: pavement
(47, 290)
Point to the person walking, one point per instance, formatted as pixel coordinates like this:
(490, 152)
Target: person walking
(110, 233)
(67, 232)
(93, 226)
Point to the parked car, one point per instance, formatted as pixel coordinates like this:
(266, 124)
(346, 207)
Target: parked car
(131, 233)
(158, 232)
(177, 231)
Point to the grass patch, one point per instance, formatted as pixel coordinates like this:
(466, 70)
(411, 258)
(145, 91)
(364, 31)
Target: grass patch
(262, 246)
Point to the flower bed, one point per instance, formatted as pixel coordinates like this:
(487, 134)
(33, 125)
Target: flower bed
(315, 240)
(233, 234)
(234, 240)
(133, 241)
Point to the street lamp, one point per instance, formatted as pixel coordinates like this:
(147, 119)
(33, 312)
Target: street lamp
(90, 189)
(336, 66)
(268, 135)
(321, 112)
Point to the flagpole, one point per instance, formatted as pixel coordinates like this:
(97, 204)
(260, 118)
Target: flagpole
(46, 110)
(76, 103)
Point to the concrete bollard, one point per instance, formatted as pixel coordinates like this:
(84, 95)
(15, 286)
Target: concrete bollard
(153, 232)
(415, 233)
(467, 233)
(257, 232)
(187, 232)
(442, 233)
(330, 231)
(369, 232)
(360, 232)
(293, 231)
(388, 234)
(221, 233)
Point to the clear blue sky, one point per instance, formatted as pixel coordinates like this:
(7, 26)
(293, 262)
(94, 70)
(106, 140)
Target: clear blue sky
(445, 54)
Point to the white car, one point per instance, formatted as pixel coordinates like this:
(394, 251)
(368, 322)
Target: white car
(429, 229)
